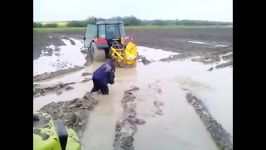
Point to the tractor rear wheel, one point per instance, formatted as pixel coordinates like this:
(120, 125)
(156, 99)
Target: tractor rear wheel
(97, 54)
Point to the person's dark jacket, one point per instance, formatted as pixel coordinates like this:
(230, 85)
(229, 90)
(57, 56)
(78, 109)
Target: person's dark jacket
(105, 74)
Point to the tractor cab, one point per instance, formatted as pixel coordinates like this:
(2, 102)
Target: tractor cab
(104, 33)
(111, 31)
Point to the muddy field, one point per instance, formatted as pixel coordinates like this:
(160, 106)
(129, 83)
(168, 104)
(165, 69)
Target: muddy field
(41, 40)
(179, 93)
(176, 40)
(210, 45)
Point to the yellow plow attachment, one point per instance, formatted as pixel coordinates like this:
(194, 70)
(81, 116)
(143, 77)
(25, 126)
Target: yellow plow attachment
(125, 56)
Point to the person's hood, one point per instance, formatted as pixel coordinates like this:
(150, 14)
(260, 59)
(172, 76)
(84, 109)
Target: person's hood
(111, 63)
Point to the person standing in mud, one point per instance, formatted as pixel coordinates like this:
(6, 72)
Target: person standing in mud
(103, 76)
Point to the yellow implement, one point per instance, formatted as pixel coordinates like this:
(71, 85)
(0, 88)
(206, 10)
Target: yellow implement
(51, 135)
(124, 55)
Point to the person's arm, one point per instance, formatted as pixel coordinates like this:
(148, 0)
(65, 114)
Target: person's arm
(111, 77)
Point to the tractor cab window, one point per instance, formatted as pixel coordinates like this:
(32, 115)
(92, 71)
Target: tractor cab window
(102, 31)
(112, 31)
(122, 30)
(90, 34)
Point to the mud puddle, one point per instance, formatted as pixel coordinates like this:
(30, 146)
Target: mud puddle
(154, 54)
(41, 89)
(57, 58)
(70, 77)
(78, 91)
(161, 102)
(220, 136)
(209, 44)
(211, 87)
(99, 134)
(219, 97)
(177, 128)
(49, 75)
(73, 113)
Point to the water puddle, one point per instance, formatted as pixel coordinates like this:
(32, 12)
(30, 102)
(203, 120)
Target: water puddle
(154, 54)
(66, 78)
(211, 87)
(178, 127)
(220, 45)
(197, 42)
(99, 133)
(222, 60)
(218, 99)
(210, 44)
(67, 56)
(78, 91)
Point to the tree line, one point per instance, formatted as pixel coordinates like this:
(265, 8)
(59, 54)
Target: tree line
(134, 21)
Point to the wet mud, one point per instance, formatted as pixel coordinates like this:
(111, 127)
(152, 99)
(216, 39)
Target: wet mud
(220, 136)
(126, 126)
(74, 113)
(41, 90)
(49, 75)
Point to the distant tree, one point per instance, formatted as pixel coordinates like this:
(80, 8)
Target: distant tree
(162, 22)
(76, 24)
(131, 21)
(37, 25)
(158, 22)
(116, 18)
(134, 21)
(50, 25)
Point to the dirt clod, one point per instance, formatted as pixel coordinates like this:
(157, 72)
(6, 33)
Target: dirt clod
(140, 121)
(86, 80)
(86, 74)
(68, 87)
(210, 69)
(59, 92)
(144, 60)
(72, 113)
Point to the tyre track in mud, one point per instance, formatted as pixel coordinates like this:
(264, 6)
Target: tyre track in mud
(43, 89)
(49, 75)
(157, 103)
(220, 136)
(126, 126)
(40, 90)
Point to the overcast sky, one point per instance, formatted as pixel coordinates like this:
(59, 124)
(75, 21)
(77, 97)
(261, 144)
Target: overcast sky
(66, 10)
